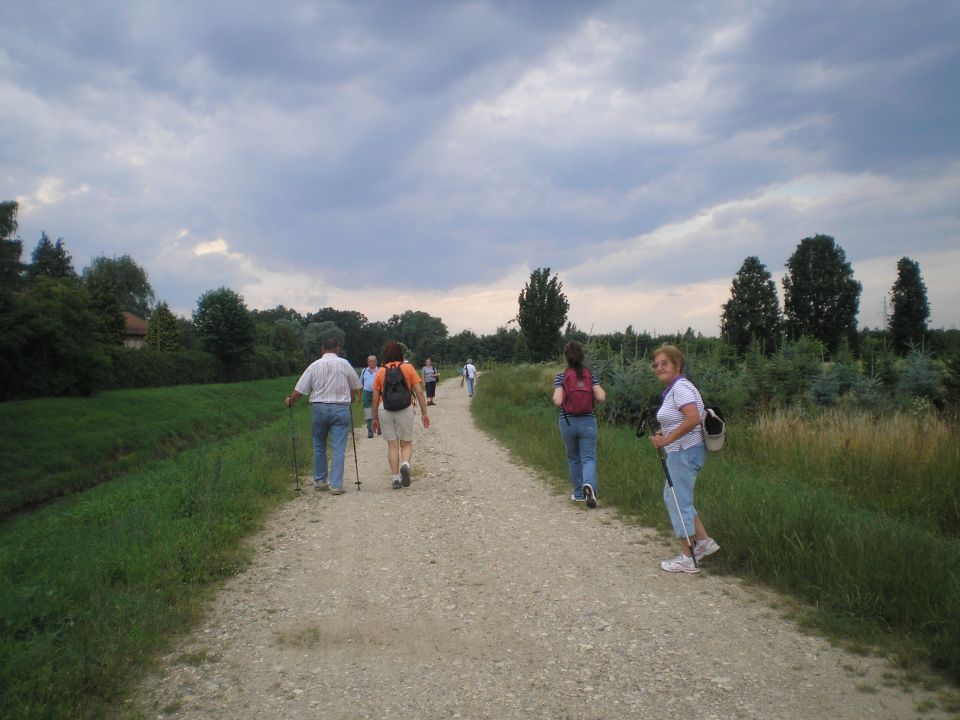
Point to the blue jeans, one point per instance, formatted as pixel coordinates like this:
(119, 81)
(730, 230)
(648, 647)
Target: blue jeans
(331, 420)
(580, 439)
(683, 467)
(470, 387)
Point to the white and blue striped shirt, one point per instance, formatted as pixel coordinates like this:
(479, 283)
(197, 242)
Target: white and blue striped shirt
(681, 393)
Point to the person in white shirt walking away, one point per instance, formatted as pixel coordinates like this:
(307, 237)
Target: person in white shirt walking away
(331, 384)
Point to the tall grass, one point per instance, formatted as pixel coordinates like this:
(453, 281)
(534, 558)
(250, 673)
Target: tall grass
(92, 586)
(53, 446)
(899, 465)
(772, 499)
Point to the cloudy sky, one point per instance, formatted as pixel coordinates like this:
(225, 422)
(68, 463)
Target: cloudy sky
(385, 156)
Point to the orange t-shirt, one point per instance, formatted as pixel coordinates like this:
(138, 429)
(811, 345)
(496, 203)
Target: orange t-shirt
(409, 373)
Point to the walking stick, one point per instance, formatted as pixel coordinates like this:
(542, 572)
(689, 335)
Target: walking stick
(641, 431)
(293, 444)
(354, 436)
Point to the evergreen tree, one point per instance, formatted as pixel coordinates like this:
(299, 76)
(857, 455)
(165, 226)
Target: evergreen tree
(542, 314)
(821, 298)
(50, 259)
(753, 311)
(163, 333)
(908, 297)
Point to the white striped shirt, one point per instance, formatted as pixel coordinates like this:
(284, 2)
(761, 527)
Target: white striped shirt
(681, 393)
(328, 380)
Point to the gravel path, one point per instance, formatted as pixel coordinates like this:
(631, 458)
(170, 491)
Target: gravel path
(479, 593)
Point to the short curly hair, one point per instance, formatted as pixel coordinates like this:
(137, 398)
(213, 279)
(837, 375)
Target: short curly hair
(673, 355)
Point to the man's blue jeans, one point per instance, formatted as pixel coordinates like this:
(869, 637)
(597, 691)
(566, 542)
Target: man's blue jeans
(469, 387)
(330, 420)
(580, 439)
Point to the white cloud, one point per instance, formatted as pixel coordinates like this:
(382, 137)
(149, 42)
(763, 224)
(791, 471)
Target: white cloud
(50, 191)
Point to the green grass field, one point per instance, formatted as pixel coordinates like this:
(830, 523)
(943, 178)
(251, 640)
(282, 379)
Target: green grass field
(864, 535)
(95, 583)
(54, 446)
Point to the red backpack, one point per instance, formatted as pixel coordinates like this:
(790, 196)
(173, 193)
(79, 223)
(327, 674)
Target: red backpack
(577, 393)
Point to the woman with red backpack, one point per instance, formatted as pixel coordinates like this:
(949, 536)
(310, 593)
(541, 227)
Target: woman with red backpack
(575, 392)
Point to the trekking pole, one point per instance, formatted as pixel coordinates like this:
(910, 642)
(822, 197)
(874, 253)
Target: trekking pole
(641, 431)
(663, 461)
(293, 444)
(353, 434)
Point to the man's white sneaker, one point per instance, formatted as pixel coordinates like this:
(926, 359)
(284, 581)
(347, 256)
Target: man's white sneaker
(681, 563)
(703, 548)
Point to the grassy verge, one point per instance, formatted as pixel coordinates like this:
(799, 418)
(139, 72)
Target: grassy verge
(54, 446)
(93, 586)
(870, 573)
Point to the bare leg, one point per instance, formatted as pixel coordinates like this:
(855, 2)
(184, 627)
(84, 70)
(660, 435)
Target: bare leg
(406, 451)
(393, 457)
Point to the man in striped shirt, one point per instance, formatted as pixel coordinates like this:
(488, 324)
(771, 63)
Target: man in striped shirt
(331, 384)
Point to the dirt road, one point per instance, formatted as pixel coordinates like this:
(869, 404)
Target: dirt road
(478, 592)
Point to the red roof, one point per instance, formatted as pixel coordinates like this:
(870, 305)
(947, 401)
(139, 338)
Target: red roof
(133, 325)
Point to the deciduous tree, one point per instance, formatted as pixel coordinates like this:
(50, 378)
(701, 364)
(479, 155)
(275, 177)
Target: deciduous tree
(753, 310)
(821, 298)
(224, 327)
(908, 299)
(11, 248)
(127, 278)
(542, 314)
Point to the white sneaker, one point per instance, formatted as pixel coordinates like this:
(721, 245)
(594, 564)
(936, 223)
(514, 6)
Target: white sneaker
(576, 499)
(703, 548)
(681, 563)
(590, 496)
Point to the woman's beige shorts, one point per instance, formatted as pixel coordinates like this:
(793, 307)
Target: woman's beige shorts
(397, 424)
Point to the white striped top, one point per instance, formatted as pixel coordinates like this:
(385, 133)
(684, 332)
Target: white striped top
(681, 393)
(328, 380)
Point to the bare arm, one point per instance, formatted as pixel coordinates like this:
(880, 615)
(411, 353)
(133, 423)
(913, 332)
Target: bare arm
(558, 396)
(292, 398)
(422, 399)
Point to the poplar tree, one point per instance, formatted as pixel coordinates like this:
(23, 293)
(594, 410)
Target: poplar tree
(542, 314)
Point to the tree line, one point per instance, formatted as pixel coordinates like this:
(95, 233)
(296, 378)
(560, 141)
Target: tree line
(61, 332)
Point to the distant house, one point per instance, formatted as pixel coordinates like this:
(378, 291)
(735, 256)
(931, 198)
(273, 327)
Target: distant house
(134, 331)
